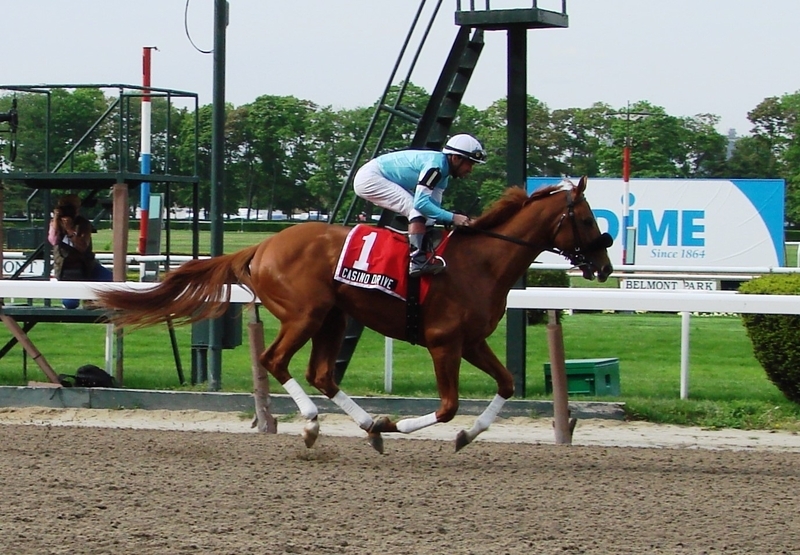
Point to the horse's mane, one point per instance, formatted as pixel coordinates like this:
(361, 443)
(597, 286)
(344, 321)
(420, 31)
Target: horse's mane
(511, 202)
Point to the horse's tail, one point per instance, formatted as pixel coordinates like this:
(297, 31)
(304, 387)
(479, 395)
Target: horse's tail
(197, 290)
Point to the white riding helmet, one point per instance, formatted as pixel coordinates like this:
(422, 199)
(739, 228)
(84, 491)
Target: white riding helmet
(466, 146)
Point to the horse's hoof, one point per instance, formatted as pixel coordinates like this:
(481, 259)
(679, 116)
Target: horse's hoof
(269, 426)
(311, 433)
(272, 425)
(381, 424)
(462, 440)
(376, 440)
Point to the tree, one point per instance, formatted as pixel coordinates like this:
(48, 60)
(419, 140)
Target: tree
(245, 174)
(774, 150)
(475, 192)
(337, 160)
(335, 136)
(279, 127)
(284, 153)
(193, 154)
(582, 132)
(662, 145)
(705, 147)
(752, 158)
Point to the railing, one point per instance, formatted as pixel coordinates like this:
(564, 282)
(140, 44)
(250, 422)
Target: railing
(631, 269)
(734, 273)
(546, 298)
(796, 245)
(13, 260)
(487, 5)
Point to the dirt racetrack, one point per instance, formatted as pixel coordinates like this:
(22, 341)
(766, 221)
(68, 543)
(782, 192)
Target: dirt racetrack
(94, 490)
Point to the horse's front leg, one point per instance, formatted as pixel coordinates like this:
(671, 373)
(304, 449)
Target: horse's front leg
(481, 356)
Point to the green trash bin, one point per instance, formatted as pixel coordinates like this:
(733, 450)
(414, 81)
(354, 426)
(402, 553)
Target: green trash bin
(588, 376)
(231, 329)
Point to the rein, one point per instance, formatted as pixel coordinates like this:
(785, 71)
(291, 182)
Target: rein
(503, 238)
(577, 255)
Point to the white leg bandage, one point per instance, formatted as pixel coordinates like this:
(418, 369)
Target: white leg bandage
(408, 425)
(307, 407)
(355, 412)
(488, 416)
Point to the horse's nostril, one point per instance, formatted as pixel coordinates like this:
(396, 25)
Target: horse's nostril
(604, 272)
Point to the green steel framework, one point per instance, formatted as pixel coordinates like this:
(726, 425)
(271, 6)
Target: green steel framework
(61, 176)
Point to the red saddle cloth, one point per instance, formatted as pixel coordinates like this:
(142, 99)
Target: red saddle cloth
(377, 258)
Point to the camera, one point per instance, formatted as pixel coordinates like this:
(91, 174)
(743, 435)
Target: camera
(67, 211)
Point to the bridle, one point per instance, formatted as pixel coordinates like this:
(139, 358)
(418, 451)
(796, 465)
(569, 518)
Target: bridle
(578, 254)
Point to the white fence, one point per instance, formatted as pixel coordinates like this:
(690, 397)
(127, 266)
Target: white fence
(684, 303)
(13, 260)
(548, 298)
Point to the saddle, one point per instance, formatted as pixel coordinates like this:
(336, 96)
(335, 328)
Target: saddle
(434, 235)
(377, 258)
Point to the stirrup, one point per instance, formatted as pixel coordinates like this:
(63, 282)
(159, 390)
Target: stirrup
(433, 265)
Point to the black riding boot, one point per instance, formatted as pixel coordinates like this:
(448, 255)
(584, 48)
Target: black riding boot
(422, 261)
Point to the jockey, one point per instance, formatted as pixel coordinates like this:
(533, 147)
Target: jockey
(411, 183)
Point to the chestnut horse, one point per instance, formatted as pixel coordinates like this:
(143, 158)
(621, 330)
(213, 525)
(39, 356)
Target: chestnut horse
(291, 274)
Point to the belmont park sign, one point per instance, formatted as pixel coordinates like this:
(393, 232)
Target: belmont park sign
(689, 222)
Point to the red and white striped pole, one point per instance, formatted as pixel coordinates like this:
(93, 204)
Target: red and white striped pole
(626, 206)
(144, 162)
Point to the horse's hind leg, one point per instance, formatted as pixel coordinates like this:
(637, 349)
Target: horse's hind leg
(481, 356)
(325, 346)
(446, 364)
(293, 335)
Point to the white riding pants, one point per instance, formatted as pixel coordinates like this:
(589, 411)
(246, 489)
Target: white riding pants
(370, 184)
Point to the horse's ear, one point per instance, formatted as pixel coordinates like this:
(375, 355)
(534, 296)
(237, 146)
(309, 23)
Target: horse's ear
(582, 185)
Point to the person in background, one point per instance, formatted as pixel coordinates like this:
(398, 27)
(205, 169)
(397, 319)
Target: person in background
(411, 183)
(71, 237)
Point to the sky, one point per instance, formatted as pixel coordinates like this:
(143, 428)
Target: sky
(689, 56)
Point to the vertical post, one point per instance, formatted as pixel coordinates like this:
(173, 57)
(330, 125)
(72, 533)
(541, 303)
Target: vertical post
(144, 161)
(626, 206)
(255, 331)
(516, 171)
(215, 328)
(562, 425)
(628, 233)
(119, 223)
(685, 326)
(109, 350)
(48, 248)
(119, 226)
(388, 344)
